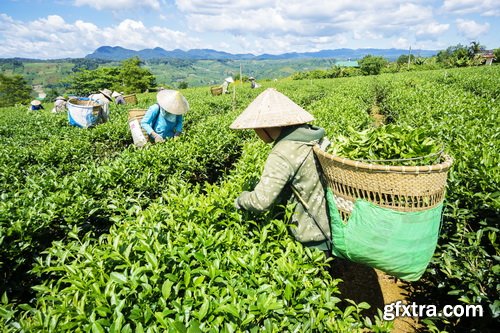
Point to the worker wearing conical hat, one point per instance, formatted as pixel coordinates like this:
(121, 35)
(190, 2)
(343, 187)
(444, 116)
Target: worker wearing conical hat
(291, 171)
(118, 97)
(103, 98)
(165, 119)
(253, 83)
(59, 104)
(225, 84)
(36, 105)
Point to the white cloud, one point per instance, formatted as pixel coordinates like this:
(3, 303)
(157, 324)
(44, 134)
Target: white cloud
(471, 29)
(376, 18)
(277, 26)
(431, 30)
(401, 43)
(253, 26)
(118, 4)
(482, 7)
(52, 37)
(219, 6)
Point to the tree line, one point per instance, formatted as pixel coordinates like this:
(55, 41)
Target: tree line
(87, 78)
(454, 56)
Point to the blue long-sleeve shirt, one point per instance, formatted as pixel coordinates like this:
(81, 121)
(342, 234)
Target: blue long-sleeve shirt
(162, 122)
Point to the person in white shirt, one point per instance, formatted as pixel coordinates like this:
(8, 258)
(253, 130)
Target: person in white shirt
(104, 98)
(59, 105)
(225, 85)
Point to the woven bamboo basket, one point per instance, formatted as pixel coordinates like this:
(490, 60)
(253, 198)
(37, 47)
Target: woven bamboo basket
(216, 91)
(86, 104)
(405, 189)
(138, 114)
(130, 99)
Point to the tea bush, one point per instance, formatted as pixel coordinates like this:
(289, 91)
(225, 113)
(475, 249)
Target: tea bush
(96, 235)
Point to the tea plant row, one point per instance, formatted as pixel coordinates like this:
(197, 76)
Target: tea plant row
(148, 240)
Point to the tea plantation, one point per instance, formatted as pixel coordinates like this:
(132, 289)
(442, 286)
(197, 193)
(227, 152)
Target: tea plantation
(97, 235)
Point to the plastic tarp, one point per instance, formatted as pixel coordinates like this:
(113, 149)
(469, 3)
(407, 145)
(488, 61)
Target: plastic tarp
(83, 116)
(398, 243)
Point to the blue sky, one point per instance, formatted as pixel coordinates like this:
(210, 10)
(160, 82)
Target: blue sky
(74, 28)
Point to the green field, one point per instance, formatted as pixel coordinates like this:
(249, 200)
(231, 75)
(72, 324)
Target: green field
(170, 72)
(208, 72)
(96, 235)
(46, 74)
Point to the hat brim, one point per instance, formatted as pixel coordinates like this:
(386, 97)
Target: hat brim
(172, 101)
(108, 96)
(271, 109)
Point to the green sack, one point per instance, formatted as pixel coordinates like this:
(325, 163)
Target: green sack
(398, 243)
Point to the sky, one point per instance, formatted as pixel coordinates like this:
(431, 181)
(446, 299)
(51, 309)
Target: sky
(45, 29)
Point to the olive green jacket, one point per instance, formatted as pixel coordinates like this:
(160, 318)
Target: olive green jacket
(292, 163)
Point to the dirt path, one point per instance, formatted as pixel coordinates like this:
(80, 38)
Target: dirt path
(365, 284)
(39, 90)
(377, 117)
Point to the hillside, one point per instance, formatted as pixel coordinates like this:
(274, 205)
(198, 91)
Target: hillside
(120, 53)
(168, 72)
(198, 67)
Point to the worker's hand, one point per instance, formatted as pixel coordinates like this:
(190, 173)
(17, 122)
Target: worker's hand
(157, 137)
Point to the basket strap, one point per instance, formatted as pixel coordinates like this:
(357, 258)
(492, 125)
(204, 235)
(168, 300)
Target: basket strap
(305, 205)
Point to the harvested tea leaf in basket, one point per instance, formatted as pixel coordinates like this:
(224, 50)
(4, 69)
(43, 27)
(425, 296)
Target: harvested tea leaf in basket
(388, 145)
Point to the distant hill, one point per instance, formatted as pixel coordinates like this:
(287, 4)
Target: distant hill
(118, 53)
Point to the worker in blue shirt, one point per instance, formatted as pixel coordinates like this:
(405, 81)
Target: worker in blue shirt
(36, 105)
(165, 119)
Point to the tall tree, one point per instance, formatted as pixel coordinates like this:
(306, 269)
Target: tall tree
(51, 95)
(475, 48)
(134, 78)
(403, 59)
(14, 89)
(85, 82)
(372, 65)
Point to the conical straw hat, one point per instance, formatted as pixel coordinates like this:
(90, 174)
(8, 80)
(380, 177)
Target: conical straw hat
(271, 109)
(172, 101)
(106, 93)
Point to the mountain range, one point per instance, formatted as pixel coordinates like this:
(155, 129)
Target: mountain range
(119, 53)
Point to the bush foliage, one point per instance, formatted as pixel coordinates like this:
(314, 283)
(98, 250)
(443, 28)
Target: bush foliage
(96, 235)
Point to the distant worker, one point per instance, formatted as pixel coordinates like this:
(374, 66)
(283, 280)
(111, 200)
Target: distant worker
(59, 104)
(103, 98)
(253, 83)
(165, 119)
(36, 105)
(291, 169)
(118, 97)
(225, 85)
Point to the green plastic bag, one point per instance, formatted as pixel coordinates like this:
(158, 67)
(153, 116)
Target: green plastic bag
(398, 243)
